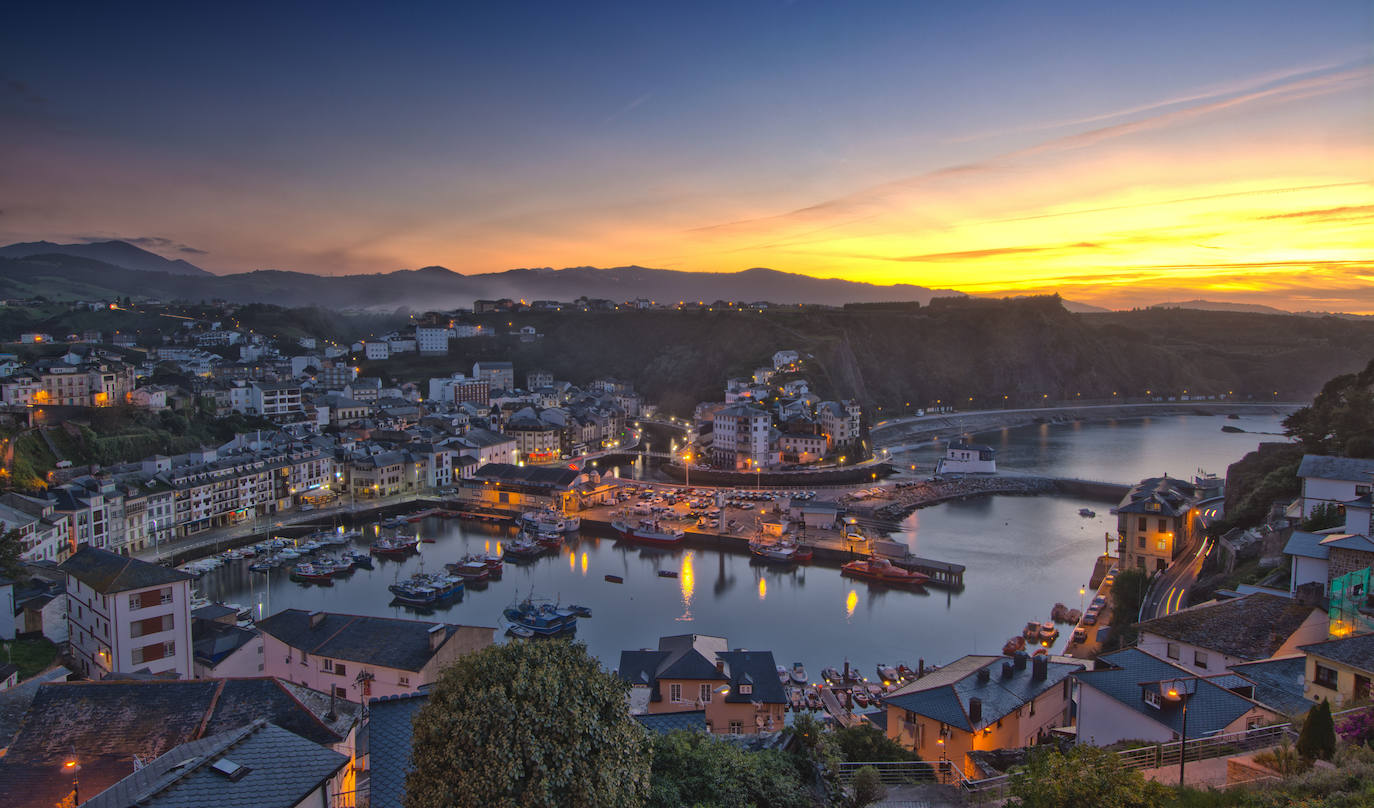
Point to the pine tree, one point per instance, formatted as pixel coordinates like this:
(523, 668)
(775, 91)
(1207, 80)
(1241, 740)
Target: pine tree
(1318, 736)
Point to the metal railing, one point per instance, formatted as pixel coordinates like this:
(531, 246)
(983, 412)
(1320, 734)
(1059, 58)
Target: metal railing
(905, 772)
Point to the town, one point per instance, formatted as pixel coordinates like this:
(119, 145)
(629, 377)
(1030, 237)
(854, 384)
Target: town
(311, 457)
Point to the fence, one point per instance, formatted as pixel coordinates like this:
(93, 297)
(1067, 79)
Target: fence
(899, 773)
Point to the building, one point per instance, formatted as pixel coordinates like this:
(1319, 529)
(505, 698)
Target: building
(741, 437)
(538, 379)
(1128, 697)
(275, 399)
(259, 764)
(1211, 637)
(786, 360)
(1330, 480)
(1340, 671)
(127, 615)
(221, 649)
(980, 703)
(508, 487)
(1154, 523)
(967, 458)
(1323, 557)
(839, 422)
(801, 447)
(535, 440)
(500, 375)
(357, 657)
(738, 691)
(488, 446)
(44, 534)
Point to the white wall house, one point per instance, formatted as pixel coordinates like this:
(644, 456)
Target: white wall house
(1333, 480)
(1210, 638)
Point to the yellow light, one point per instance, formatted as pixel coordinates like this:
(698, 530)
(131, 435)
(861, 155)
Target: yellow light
(572, 562)
(687, 577)
(763, 589)
(70, 764)
(1173, 694)
(851, 601)
(584, 563)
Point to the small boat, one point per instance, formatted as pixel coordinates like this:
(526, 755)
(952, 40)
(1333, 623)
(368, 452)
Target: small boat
(813, 700)
(883, 571)
(359, 559)
(1017, 643)
(1032, 630)
(312, 574)
(470, 569)
(794, 697)
(495, 565)
(520, 631)
(804, 553)
(667, 573)
(550, 541)
(1087, 512)
(580, 611)
(543, 619)
(1060, 613)
(783, 676)
(831, 674)
(648, 532)
(260, 566)
(773, 553)
(1073, 616)
(887, 673)
(614, 579)
(798, 673)
(395, 546)
(392, 522)
(860, 697)
(1048, 632)
(522, 550)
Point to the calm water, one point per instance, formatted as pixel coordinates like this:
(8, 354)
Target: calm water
(1023, 554)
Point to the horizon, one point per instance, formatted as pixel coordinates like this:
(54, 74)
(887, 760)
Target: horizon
(1111, 156)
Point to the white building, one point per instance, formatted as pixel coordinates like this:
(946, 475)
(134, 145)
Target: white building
(433, 339)
(1209, 638)
(967, 458)
(377, 350)
(275, 399)
(786, 360)
(839, 422)
(500, 375)
(127, 615)
(1333, 480)
(489, 447)
(741, 437)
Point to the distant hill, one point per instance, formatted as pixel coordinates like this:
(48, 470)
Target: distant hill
(120, 254)
(1218, 305)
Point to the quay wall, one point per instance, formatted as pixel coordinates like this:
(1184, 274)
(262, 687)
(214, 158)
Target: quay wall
(849, 475)
(922, 429)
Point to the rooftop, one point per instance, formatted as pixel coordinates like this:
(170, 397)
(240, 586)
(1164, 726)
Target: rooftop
(388, 744)
(109, 573)
(1278, 683)
(1253, 627)
(945, 694)
(1326, 467)
(384, 641)
(1165, 495)
(1357, 652)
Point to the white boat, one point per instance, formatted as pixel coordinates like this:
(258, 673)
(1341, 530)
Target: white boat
(550, 521)
(783, 675)
(798, 673)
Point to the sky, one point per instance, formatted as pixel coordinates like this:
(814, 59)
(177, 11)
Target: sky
(1118, 154)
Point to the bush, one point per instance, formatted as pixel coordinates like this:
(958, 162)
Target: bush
(697, 769)
(1318, 736)
(867, 789)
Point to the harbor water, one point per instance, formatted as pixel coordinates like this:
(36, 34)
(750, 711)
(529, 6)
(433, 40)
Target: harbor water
(1023, 554)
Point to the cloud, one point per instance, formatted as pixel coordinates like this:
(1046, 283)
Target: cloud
(997, 252)
(1345, 213)
(192, 251)
(23, 90)
(147, 243)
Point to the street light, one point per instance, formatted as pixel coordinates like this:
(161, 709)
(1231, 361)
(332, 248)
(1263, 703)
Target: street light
(1177, 693)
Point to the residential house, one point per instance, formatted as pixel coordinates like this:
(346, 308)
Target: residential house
(981, 703)
(1154, 522)
(1328, 480)
(275, 399)
(259, 764)
(1323, 557)
(44, 534)
(801, 447)
(1134, 695)
(839, 422)
(500, 375)
(127, 615)
(538, 379)
(357, 657)
(488, 446)
(738, 691)
(786, 360)
(221, 649)
(1211, 637)
(1340, 670)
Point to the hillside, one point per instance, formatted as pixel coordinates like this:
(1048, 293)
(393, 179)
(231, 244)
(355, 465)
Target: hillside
(115, 253)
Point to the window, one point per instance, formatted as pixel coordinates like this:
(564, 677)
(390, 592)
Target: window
(1140, 542)
(746, 690)
(675, 693)
(403, 681)
(1152, 697)
(341, 692)
(1326, 677)
(1032, 707)
(1162, 544)
(339, 669)
(1141, 524)
(705, 694)
(736, 728)
(328, 666)
(1200, 659)
(1171, 650)
(1163, 525)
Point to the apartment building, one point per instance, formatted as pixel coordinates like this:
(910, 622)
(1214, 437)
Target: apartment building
(839, 422)
(1155, 522)
(741, 437)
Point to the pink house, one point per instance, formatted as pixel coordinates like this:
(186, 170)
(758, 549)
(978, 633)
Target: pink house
(357, 657)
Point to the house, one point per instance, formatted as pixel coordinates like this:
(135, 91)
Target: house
(259, 764)
(801, 447)
(1278, 683)
(967, 458)
(1328, 480)
(741, 437)
(223, 650)
(385, 754)
(488, 446)
(738, 692)
(1154, 522)
(500, 375)
(357, 657)
(1340, 670)
(981, 703)
(1311, 557)
(839, 422)
(786, 360)
(274, 399)
(1211, 637)
(1127, 697)
(127, 615)
(376, 350)
(113, 728)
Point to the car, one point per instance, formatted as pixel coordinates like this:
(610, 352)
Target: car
(1099, 601)
(1090, 619)
(1080, 634)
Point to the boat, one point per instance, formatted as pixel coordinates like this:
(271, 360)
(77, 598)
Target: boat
(883, 571)
(830, 674)
(648, 531)
(551, 541)
(798, 673)
(1060, 613)
(422, 589)
(860, 697)
(1087, 512)
(311, 574)
(261, 566)
(520, 631)
(803, 553)
(392, 522)
(1048, 632)
(470, 569)
(1017, 643)
(414, 595)
(494, 565)
(1073, 616)
(887, 673)
(1032, 630)
(359, 559)
(395, 546)
(773, 553)
(614, 579)
(783, 676)
(813, 699)
(543, 619)
(523, 550)
(794, 697)
(580, 611)
(551, 521)
(667, 573)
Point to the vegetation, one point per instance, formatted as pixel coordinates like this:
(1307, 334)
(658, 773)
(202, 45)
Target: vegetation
(1283, 759)
(866, 743)
(10, 549)
(528, 724)
(1357, 728)
(1085, 775)
(33, 656)
(867, 789)
(1128, 594)
(693, 768)
(1340, 421)
(1326, 515)
(1318, 737)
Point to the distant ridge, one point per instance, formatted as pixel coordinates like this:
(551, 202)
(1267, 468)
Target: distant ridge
(120, 254)
(1219, 305)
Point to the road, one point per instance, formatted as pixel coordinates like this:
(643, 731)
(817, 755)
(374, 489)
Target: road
(1169, 593)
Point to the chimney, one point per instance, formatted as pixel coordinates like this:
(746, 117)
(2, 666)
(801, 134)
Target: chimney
(316, 618)
(1040, 669)
(437, 635)
(1019, 660)
(984, 675)
(1008, 670)
(975, 710)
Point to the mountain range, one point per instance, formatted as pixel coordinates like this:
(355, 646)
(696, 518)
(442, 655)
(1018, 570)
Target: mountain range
(116, 253)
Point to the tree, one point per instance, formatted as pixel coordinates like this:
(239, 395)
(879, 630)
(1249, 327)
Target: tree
(697, 769)
(867, 789)
(11, 566)
(527, 724)
(1085, 775)
(865, 742)
(1318, 736)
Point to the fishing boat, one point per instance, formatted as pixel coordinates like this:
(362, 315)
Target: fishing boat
(414, 594)
(470, 569)
(1015, 644)
(359, 559)
(614, 579)
(550, 541)
(580, 611)
(1049, 632)
(494, 565)
(1087, 513)
(798, 673)
(395, 546)
(773, 553)
(1060, 613)
(549, 520)
(311, 574)
(887, 673)
(883, 571)
(1032, 630)
(523, 550)
(649, 531)
(543, 619)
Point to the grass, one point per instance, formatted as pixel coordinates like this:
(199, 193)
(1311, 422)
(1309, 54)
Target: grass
(33, 656)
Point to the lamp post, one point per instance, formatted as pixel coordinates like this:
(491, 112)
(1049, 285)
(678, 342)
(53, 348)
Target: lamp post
(1178, 692)
(72, 765)
(1082, 598)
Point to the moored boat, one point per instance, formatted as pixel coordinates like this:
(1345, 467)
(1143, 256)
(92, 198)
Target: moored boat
(1017, 643)
(470, 569)
(1086, 512)
(887, 673)
(1048, 632)
(773, 553)
(395, 546)
(649, 532)
(883, 571)
(543, 619)
(798, 673)
(311, 574)
(614, 579)
(1060, 613)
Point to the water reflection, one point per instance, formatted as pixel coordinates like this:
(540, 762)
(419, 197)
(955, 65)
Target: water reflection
(584, 563)
(687, 577)
(763, 588)
(850, 602)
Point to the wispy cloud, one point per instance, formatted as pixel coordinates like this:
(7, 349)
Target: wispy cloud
(629, 107)
(1344, 213)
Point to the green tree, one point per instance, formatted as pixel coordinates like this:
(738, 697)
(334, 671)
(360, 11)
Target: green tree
(528, 725)
(865, 742)
(697, 769)
(867, 788)
(10, 547)
(1085, 775)
(1318, 736)
(1324, 516)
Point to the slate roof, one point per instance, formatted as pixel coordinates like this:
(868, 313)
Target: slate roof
(755, 668)
(944, 695)
(1349, 541)
(1306, 545)
(213, 611)
(212, 641)
(1251, 628)
(1326, 467)
(1357, 652)
(15, 701)
(664, 723)
(384, 641)
(282, 770)
(538, 476)
(110, 573)
(1278, 683)
(110, 722)
(7, 670)
(1165, 496)
(388, 745)
(1211, 707)
(640, 667)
